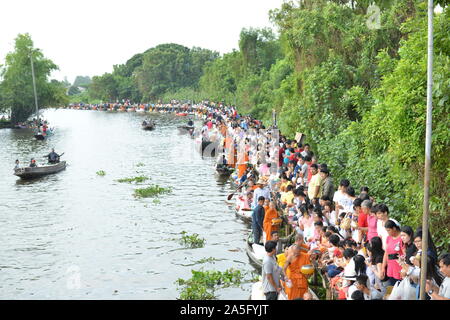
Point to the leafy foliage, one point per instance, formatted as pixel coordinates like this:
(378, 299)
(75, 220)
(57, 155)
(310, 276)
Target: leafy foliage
(202, 284)
(134, 179)
(16, 89)
(192, 241)
(151, 191)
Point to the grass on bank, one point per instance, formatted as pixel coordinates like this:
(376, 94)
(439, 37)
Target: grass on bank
(151, 191)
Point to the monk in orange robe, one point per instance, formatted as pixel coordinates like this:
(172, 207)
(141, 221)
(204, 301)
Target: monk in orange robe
(297, 257)
(242, 167)
(270, 213)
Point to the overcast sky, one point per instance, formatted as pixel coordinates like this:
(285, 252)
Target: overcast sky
(87, 37)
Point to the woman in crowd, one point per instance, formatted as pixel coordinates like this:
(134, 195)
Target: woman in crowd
(375, 263)
(392, 253)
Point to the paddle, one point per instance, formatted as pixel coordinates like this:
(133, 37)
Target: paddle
(240, 186)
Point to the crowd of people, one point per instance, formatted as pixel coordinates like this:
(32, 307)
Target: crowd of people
(340, 231)
(350, 238)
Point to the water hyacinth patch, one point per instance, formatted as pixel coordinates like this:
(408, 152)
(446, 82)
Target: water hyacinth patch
(134, 179)
(151, 191)
(202, 284)
(191, 241)
(101, 173)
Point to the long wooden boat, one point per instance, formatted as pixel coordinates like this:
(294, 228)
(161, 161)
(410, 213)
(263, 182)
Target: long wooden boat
(36, 172)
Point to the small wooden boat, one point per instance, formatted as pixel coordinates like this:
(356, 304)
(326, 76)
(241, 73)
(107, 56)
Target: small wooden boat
(207, 148)
(186, 129)
(148, 126)
(36, 172)
(223, 171)
(255, 252)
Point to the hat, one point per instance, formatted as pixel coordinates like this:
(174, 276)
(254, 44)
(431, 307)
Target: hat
(324, 170)
(261, 181)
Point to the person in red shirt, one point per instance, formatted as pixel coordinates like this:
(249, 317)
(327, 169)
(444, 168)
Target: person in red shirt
(363, 225)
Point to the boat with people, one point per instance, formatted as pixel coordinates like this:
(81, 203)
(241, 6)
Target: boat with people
(148, 125)
(207, 148)
(186, 129)
(39, 171)
(242, 209)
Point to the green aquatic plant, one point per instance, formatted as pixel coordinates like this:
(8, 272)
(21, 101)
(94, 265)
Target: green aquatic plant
(134, 179)
(156, 201)
(207, 260)
(101, 173)
(140, 164)
(202, 284)
(151, 191)
(192, 241)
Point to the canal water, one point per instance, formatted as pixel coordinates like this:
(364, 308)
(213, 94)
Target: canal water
(78, 235)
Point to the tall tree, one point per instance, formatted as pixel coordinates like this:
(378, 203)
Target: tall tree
(16, 89)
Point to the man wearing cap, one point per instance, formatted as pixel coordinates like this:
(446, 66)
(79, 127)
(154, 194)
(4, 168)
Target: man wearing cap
(33, 163)
(261, 191)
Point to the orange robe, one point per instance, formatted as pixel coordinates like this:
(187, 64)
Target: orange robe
(299, 281)
(242, 167)
(267, 224)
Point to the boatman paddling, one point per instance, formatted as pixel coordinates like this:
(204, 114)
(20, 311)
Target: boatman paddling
(53, 157)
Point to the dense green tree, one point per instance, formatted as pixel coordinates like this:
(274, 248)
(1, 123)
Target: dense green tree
(16, 89)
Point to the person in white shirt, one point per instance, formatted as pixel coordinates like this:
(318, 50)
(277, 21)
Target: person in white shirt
(442, 292)
(262, 190)
(383, 217)
(340, 196)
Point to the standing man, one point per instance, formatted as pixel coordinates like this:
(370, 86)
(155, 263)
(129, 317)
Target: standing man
(314, 183)
(327, 187)
(258, 220)
(271, 272)
(260, 191)
(297, 256)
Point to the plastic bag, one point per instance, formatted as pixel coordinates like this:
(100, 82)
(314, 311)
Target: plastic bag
(403, 290)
